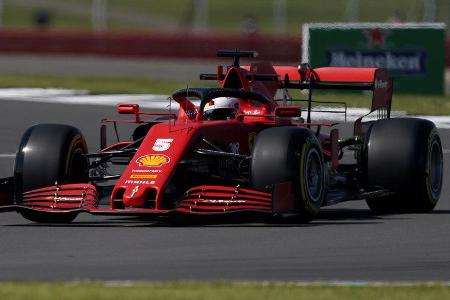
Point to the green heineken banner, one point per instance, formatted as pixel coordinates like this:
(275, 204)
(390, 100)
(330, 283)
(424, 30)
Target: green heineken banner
(413, 53)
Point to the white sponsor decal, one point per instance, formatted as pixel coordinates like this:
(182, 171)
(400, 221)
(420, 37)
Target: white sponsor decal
(381, 84)
(139, 182)
(162, 144)
(405, 62)
(146, 171)
(221, 201)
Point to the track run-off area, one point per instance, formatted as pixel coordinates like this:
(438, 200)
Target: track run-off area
(347, 242)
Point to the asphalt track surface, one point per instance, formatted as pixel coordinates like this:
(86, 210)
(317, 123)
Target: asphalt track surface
(346, 242)
(178, 70)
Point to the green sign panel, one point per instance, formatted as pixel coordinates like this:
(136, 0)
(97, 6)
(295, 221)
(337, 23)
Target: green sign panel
(413, 53)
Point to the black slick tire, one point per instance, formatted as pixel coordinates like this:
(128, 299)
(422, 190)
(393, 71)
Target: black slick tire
(293, 154)
(49, 153)
(404, 155)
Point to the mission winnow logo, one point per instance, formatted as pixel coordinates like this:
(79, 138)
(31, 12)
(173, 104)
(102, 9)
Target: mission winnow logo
(400, 60)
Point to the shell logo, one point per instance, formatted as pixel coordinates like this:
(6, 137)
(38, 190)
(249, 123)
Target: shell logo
(153, 160)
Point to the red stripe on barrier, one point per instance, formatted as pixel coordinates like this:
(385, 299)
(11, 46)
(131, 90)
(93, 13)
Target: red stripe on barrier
(148, 44)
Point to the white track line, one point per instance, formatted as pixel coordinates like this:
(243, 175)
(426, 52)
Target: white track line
(150, 101)
(38, 92)
(11, 155)
(264, 283)
(65, 96)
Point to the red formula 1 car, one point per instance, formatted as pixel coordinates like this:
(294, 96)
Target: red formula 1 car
(236, 148)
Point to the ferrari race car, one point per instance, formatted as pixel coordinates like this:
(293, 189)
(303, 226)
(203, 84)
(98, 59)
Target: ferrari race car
(246, 146)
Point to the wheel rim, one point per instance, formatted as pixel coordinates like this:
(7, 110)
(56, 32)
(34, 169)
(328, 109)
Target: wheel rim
(313, 176)
(435, 168)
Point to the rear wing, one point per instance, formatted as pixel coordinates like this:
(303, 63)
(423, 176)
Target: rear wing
(341, 78)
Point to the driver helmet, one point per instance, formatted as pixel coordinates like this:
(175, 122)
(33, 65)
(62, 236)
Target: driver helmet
(221, 108)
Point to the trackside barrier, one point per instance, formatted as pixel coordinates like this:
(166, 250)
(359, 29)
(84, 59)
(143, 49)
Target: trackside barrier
(283, 48)
(413, 53)
(147, 44)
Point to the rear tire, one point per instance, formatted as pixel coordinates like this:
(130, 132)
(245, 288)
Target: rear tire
(404, 155)
(49, 153)
(293, 154)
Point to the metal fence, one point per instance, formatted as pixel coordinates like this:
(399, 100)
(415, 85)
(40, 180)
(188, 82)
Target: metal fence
(99, 13)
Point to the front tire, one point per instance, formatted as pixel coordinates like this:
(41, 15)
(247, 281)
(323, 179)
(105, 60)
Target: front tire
(293, 154)
(404, 155)
(49, 153)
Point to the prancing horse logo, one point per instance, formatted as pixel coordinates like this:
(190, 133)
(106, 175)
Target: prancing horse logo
(134, 191)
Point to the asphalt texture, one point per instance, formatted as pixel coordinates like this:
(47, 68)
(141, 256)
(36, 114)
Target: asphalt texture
(345, 243)
(179, 70)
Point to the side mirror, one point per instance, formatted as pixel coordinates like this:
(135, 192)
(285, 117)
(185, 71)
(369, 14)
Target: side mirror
(288, 111)
(129, 109)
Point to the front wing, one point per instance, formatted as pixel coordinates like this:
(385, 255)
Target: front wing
(199, 200)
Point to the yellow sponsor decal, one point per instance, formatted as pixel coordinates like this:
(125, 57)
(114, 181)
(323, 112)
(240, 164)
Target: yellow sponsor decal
(153, 160)
(143, 176)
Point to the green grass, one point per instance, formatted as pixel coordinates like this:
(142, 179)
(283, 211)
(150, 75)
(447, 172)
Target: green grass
(223, 15)
(412, 104)
(22, 17)
(217, 291)
(96, 85)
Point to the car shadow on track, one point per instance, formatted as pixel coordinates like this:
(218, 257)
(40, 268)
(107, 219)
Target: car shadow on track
(333, 214)
(342, 216)
(440, 212)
